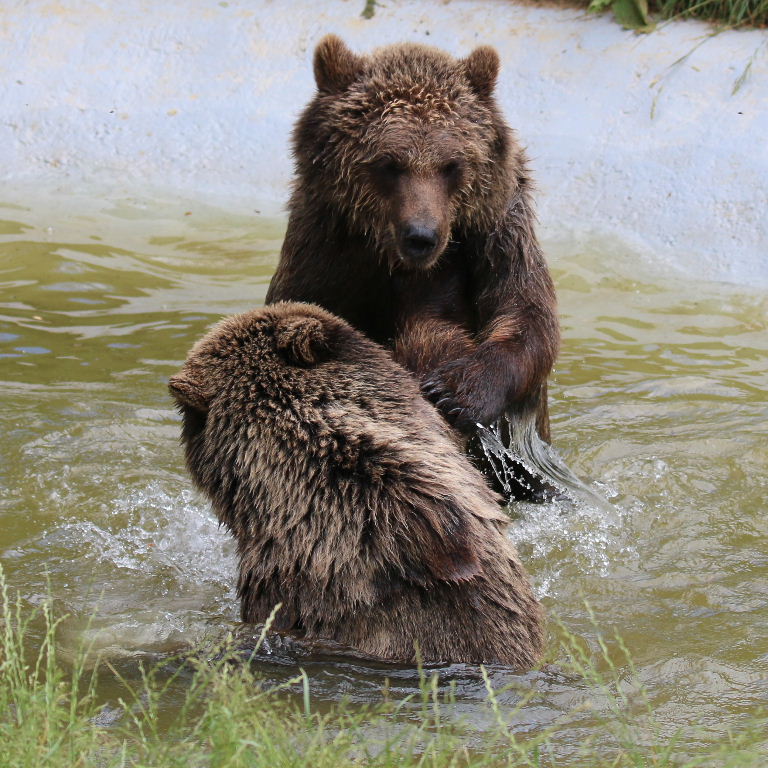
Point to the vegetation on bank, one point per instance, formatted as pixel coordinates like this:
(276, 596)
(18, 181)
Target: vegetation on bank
(734, 13)
(51, 716)
(643, 15)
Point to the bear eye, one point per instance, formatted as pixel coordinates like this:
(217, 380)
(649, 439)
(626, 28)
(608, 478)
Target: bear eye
(390, 168)
(451, 169)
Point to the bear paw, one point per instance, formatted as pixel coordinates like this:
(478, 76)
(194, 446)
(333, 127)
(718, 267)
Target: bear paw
(464, 393)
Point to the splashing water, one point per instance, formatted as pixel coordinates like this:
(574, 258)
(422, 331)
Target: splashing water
(577, 519)
(538, 458)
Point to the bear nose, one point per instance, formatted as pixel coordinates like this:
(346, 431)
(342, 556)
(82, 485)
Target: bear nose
(419, 240)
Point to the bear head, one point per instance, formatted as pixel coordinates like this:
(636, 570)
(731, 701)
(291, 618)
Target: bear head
(408, 145)
(246, 370)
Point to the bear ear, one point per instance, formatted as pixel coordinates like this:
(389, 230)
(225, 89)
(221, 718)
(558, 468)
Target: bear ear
(336, 67)
(188, 392)
(302, 340)
(482, 69)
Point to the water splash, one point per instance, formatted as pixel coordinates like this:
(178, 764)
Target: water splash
(559, 539)
(577, 527)
(150, 574)
(528, 450)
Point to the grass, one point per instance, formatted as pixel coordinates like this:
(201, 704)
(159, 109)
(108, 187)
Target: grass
(642, 14)
(732, 13)
(50, 716)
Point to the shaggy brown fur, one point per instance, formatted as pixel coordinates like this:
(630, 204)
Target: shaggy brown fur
(350, 502)
(411, 218)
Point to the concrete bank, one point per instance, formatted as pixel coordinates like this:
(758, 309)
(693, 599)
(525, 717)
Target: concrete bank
(196, 98)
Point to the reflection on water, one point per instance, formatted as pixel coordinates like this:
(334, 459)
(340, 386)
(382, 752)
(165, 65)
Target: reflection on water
(658, 402)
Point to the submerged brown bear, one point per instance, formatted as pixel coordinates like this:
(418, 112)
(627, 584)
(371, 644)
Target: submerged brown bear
(350, 503)
(411, 218)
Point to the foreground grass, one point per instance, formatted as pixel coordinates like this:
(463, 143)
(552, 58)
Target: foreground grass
(50, 716)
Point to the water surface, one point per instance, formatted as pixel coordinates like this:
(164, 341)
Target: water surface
(658, 400)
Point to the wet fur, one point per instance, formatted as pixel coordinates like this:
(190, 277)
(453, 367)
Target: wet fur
(409, 133)
(348, 497)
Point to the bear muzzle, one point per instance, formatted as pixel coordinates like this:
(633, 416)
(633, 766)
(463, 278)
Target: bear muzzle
(419, 244)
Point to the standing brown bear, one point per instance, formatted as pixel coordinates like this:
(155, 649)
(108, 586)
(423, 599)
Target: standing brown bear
(411, 218)
(350, 502)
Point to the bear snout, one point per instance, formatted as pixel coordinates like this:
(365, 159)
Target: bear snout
(419, 245)
(418, 241)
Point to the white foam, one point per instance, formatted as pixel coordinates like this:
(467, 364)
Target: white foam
(152, 574)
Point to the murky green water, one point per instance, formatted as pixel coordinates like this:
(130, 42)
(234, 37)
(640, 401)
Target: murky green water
(659, 399)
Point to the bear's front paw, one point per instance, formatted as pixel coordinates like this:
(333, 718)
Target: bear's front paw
(438, 392)
(460, 392)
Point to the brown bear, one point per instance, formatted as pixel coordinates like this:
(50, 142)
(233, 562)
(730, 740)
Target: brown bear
(411, 218)
(350, 502)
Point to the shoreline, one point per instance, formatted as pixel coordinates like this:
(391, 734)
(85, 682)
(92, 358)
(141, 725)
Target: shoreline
(196, 100)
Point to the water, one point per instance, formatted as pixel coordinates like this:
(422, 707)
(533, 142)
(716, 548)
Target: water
(658, 403)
